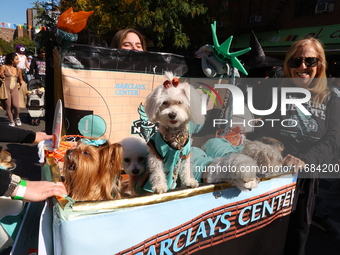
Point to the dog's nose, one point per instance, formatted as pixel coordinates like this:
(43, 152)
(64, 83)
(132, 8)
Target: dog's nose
(172, 115)
(135, 171)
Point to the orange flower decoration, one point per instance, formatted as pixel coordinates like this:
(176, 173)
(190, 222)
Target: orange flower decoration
(73, 22)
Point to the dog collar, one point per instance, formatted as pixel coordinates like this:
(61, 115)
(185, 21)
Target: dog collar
(179, 140)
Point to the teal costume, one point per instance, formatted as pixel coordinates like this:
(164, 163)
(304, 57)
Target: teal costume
(219, 147)
(170, 158)
(199, 161)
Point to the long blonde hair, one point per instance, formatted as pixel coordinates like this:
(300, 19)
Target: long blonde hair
(318, 89)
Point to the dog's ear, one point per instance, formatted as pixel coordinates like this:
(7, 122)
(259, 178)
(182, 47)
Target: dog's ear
(116, 156)
(153, 103)
(280, 147)
(264, 158)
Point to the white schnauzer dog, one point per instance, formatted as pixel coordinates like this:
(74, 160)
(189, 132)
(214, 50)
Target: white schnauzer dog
(267, 152)
(173, 105)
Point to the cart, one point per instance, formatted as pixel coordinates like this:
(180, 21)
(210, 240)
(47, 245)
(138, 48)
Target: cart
(103, 94)
(35, 101)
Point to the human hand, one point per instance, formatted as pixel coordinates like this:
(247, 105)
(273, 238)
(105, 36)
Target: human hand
(39, 136)
(41, 190)
(297, 163)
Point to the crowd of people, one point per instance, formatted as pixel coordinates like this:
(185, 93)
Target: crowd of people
(305, 65)
(17, 65)
(15, 70)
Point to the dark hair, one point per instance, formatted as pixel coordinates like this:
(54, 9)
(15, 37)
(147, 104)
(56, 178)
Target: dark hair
(41, 50)
(10, 58)
(117, 41)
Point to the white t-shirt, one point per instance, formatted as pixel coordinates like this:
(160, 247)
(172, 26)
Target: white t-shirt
(22, 61)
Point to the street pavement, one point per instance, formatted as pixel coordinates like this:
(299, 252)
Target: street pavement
(28, 166)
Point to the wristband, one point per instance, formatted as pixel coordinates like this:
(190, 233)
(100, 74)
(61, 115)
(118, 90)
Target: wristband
(21, 190)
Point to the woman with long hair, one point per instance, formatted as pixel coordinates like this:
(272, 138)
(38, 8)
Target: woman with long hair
(312, 139)
(13, 81)
(129, 39)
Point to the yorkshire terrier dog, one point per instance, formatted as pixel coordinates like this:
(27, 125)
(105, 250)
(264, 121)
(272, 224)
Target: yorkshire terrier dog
(173, 105)
(6, 161)
(92, 170)
(135, 154)
(266, 151)
(241, 169)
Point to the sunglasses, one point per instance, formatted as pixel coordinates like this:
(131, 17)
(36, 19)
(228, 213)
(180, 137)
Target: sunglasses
(309, 62)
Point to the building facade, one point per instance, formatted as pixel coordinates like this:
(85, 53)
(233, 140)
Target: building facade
(7, 34)
(279, 23)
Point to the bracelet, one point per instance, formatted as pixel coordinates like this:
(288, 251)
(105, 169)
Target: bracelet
(21, 190)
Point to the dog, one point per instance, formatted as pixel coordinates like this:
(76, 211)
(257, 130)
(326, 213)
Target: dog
(6, 161)
(172, 105)
(242, 168)
(92, 170)
(135, 153)
(267, 152)
(237, 169)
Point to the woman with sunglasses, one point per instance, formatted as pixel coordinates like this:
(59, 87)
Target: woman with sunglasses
(310, 141)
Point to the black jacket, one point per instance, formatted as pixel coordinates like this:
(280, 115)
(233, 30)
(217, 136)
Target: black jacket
(315, 140)
(14, 135)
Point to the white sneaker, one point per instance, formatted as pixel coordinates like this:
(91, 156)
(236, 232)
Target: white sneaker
(18, 122)
(11, 124)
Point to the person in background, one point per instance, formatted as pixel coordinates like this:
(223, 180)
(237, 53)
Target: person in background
(13, 78)
(129, 39)
(315, 138)
(23, 63)
(24, 67)
(38, 66)
(28, 75)
(330, 199)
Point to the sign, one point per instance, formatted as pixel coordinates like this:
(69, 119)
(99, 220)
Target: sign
(285, 37)
(209, 219)
(204, 220)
